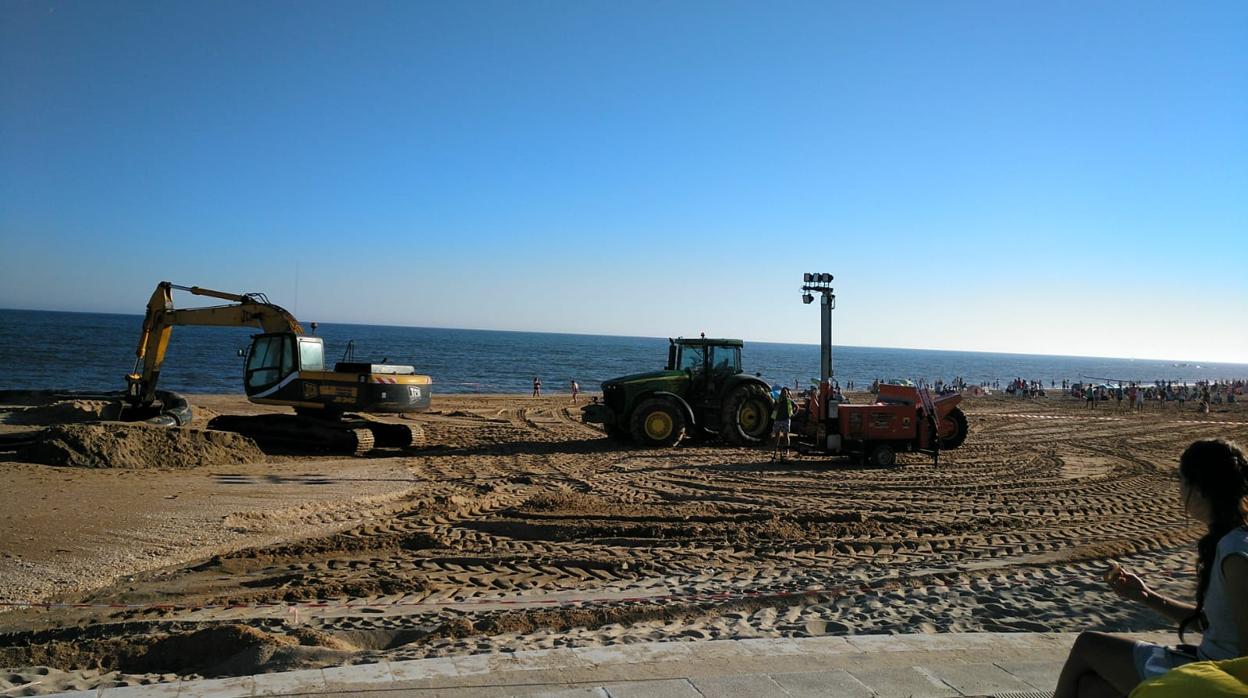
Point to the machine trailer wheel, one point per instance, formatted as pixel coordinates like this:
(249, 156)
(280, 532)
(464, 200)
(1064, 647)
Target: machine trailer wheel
(658, 423)
(882, 455)
(746, 416)
(958, 418)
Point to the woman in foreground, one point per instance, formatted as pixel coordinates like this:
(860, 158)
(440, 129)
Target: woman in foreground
(1213, 486)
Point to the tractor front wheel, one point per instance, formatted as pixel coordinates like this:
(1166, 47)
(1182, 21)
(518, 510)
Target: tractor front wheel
(658, 423)
(882, 455)
(746, 415)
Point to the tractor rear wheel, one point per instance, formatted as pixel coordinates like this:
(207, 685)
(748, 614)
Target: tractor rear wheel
(882, 455)
(658, 423)
(958, 418)
(745, 416)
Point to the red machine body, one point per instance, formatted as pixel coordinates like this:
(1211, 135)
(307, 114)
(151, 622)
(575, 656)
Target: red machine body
(901, 419)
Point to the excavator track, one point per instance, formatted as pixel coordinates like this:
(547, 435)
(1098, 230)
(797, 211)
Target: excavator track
(418, 437)
(288, 433)
(390, 434)
(292, 433)
(364, 442)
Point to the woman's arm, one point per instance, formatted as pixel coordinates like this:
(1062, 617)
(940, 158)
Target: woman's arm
(1176, 611)
(1235, 574)
(1129, 586)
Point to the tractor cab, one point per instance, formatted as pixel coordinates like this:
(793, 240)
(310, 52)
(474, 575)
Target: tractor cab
(703, 357)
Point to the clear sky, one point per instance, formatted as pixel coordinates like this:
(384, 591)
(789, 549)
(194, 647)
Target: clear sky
(1057, 177)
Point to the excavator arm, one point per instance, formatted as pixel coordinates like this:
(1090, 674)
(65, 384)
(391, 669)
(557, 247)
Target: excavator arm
(248, 309)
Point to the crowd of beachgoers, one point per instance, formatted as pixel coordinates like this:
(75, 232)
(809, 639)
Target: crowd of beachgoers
(1136, 395)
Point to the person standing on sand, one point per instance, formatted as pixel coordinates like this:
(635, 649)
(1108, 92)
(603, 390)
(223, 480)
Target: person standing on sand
(576, 390)
(781, 416)
(537, 386)
(1213, 487)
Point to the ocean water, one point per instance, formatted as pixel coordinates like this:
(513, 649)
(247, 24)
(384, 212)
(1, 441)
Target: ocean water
(94, 351)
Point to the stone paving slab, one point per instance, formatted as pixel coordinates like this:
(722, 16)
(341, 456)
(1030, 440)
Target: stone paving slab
(737, 686)
(287, 682)
(903, 682)
(925, 666)
(1042, 675)
(980, 679)
(820, 684)
(669, 688)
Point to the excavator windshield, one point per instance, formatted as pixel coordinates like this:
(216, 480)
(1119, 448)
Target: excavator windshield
(275, 356)
(272, 357)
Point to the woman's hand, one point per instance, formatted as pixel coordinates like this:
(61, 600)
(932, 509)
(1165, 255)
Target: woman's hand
(1125, 584)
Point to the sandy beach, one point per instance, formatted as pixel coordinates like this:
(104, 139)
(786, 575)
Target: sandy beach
(518, 527)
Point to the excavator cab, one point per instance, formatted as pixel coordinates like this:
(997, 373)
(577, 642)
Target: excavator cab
(275, 357)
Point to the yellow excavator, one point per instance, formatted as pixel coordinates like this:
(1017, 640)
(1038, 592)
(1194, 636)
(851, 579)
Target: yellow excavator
(286, 367)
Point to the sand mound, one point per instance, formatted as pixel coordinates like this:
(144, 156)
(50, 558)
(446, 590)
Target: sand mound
(205, 650)
(221, 650)
(66, 412)
(117, 445)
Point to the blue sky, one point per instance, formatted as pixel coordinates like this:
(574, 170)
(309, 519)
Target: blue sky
(1067, 178)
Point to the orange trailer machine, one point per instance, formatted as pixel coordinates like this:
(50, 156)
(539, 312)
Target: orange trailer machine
(903, 418)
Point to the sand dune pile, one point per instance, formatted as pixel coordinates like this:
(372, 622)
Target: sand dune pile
(219, 650)
(118, 445)
(65, 412)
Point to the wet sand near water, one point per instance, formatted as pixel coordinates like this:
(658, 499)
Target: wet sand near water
(476, 543)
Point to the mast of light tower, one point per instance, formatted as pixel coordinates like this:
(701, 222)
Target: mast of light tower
(821, 284)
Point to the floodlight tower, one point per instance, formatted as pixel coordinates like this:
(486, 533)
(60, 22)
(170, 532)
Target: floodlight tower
(820, 283)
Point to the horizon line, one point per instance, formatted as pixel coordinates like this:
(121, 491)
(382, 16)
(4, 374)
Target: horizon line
(640, 336)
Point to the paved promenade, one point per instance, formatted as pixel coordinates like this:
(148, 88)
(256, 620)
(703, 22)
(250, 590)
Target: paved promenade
(1017, 665)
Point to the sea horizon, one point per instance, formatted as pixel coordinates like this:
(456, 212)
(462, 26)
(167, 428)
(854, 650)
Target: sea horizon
(656, 337)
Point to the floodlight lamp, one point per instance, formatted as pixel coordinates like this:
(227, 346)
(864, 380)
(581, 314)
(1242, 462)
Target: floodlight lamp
(825, 278)
(806, 278)
(807, 298)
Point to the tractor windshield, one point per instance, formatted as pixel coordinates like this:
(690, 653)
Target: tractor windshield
(726, 359)
(691, 358)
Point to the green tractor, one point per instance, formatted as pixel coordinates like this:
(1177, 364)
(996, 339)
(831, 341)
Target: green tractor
(702, 393)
